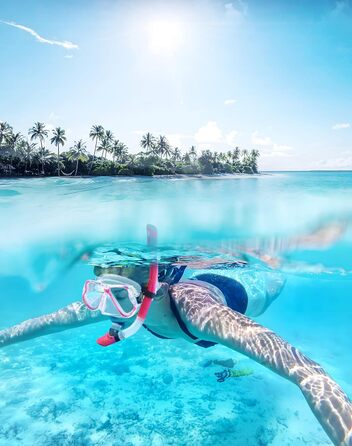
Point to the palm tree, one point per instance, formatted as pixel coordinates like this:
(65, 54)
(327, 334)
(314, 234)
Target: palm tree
(5, 131)
(29, 151)
(132, 161)
(13, 139)
(38, 131)
(115, 149)
(45, 157)
(109, 136)
(78, 153)
(176, 154)
(119, 151)
(20, 151)
(254, 155)
(222, 157)
(193, 153)
(123, 152)
(245, 161)
(206, 161)
(245, 158)
(104, 146)
(58, 139)
(186, 158)
(163, 146)
(236, 154)
(148, 142)
(96, 134)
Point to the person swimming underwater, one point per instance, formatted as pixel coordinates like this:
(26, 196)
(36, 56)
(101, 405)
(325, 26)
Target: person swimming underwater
(206, 310)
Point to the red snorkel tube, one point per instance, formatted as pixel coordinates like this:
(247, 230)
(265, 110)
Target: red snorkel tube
(148, 295)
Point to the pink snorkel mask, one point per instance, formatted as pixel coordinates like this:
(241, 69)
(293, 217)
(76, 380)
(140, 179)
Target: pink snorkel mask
(101, 295)
(106, 293)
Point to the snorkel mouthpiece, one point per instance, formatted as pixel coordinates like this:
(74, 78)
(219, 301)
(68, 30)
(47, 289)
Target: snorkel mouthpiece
(107, 340)
(114, 334)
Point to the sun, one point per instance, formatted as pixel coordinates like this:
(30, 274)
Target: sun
(164, 36)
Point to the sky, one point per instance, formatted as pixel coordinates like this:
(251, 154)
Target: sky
(270, 75)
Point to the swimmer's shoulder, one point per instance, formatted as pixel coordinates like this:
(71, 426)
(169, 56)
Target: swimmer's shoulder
(187, 289)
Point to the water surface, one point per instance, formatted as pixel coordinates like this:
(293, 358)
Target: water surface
(65, 390)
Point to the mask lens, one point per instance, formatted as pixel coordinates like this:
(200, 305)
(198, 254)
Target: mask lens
(112, 295)
(93, 294)
(120, 293)
(121, 301)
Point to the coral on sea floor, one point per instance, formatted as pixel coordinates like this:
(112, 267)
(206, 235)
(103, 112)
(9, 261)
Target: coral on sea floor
(228, 363)
(232, 373)
(146, 392)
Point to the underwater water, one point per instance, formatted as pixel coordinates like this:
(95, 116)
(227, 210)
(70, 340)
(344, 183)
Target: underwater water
(63, 389)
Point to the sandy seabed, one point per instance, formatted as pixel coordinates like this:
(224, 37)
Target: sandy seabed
(65, 390)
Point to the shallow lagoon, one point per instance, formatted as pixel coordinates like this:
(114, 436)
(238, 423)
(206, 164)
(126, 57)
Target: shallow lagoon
(66, 390)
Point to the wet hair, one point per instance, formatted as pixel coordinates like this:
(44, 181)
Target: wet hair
(100, 270)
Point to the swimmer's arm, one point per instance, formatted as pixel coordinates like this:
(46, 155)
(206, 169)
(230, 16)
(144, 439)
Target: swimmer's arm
(74, 315)
(212, 321)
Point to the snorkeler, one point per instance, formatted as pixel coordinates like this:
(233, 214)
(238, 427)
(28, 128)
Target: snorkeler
(206, 310)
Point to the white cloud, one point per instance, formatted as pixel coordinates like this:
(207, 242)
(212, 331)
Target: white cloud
(63, 43)
(49, 127)
(342, 125)
(209, 134)
(139, 132)
(68, 56)
(340, 7)
(269, 148)
(277, 152)
(53, 116)
(236, 9)
(282, 150)
(261, 140)
(343, 161)
(229, 101)
(52, 122)
(177, 139)
(231, 137)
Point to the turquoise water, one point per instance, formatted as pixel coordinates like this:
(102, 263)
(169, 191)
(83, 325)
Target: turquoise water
(63, 389)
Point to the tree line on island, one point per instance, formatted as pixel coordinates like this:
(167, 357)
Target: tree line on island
(29, 156)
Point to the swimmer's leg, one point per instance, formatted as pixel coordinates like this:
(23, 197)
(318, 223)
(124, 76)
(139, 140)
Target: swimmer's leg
(74, 315)
(211, 321)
